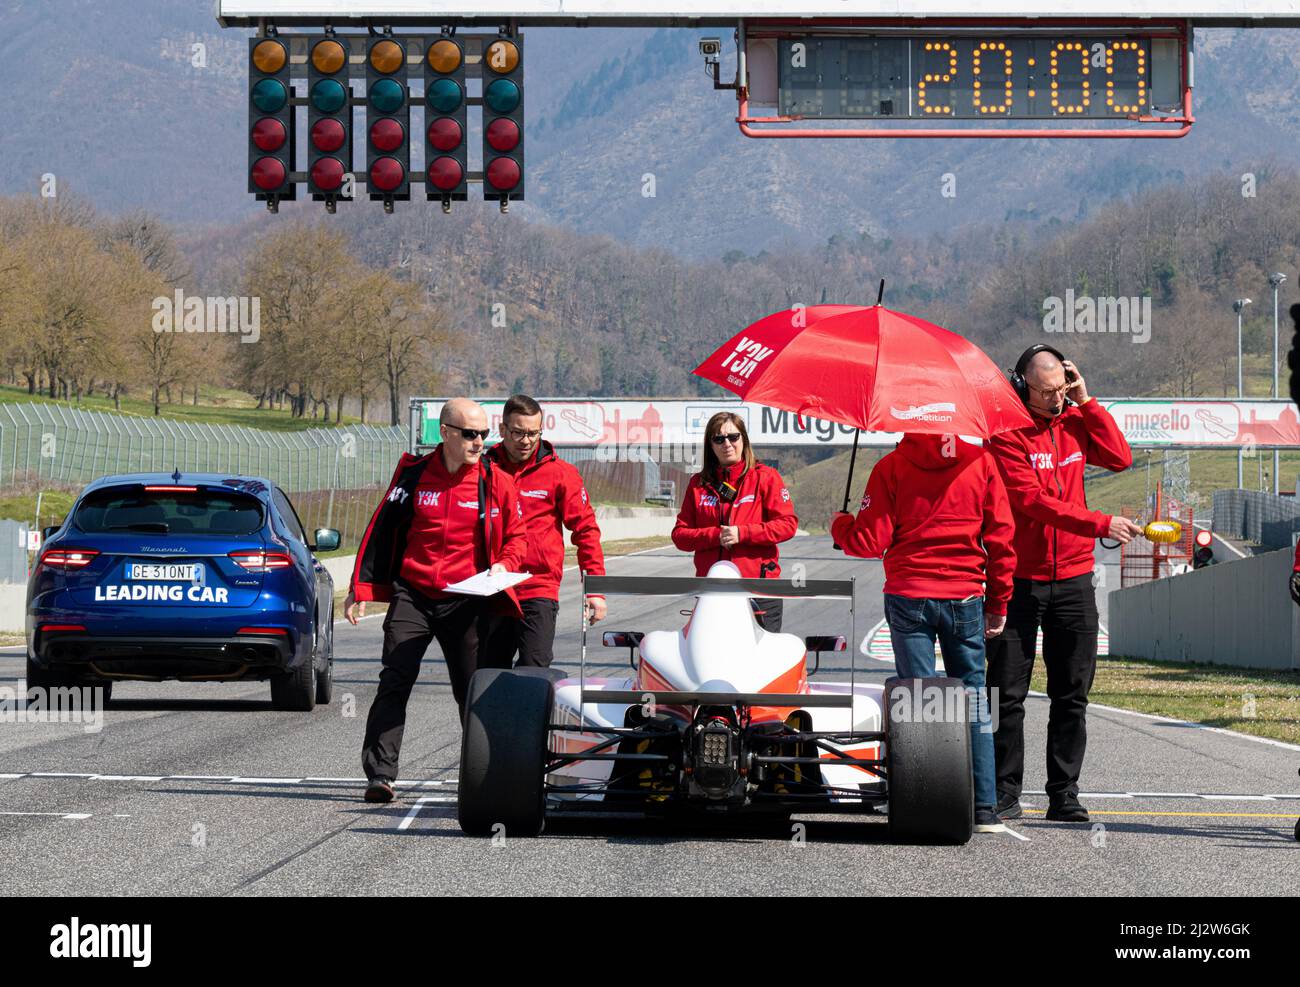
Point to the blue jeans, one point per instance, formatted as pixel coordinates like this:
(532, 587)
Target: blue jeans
(959, 626)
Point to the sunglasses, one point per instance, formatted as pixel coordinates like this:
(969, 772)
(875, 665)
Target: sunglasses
(722, 437)
(470, 434)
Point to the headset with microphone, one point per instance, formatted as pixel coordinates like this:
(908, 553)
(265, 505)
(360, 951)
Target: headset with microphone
(1017, 375)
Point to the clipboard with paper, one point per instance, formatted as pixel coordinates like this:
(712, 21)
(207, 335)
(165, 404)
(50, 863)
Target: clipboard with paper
(487, 583)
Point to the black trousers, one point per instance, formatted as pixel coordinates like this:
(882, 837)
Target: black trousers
(768, 612)
(412, 622)
(532, 638)
(1066, 611)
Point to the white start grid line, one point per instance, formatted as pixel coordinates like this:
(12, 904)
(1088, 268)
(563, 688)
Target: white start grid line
(243, 780)
(219, 779)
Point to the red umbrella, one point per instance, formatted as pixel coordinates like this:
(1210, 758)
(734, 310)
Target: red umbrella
(876, 369)
(880, 370)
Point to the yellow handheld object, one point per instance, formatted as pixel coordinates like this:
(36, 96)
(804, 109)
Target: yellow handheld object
(1163, 532)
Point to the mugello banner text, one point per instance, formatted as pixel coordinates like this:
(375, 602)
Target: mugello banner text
(1146, 422)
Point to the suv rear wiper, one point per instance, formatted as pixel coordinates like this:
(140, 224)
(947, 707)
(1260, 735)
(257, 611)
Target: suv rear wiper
(161, 527)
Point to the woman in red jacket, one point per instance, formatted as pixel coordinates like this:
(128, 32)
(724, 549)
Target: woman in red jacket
(737, 510)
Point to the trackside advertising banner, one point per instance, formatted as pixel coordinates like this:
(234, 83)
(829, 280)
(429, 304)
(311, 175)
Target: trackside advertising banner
(1146, 422)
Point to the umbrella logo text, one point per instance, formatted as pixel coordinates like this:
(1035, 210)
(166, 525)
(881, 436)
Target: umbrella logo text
(745, 358)
(926, 412)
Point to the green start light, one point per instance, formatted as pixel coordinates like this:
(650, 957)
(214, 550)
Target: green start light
(444, 96)
(329, 96)
(386, 96)
(502, 96)
(269, 96)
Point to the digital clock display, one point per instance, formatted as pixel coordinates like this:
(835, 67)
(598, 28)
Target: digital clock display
(930, 77)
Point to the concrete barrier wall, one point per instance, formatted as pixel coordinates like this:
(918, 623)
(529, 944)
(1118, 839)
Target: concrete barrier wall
(1235, 613)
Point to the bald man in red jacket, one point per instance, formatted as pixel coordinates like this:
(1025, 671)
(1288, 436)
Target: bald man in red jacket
(444, 517)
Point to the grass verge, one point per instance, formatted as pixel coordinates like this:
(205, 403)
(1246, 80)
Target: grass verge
(1254, 701)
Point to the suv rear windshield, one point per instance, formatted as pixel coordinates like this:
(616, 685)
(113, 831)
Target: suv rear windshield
(212, 512)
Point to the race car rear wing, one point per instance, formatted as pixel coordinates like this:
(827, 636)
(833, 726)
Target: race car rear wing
(786, 589)
(669, 698)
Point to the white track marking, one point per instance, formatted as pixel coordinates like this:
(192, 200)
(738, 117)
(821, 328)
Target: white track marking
(127, 777)
(224, 779)
(420, 804)
(1186, 723)
(1020, 836)
(56, 815)
(421, 783)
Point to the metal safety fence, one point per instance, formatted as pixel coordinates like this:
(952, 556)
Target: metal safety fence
(331, 474)
(1253, 515)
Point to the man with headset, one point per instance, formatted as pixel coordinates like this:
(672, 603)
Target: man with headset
(1053, 589)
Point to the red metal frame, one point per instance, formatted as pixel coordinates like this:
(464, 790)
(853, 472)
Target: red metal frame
(776, 29)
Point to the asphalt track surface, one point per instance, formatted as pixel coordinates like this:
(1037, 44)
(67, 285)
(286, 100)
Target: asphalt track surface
(205, 790)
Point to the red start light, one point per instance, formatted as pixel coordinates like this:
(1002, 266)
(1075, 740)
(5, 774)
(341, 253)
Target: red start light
(503, 134)
(445, 173)
(1204, 539)
(328, 135)
(269, 134)
(503, 174)
(387, 134)
(445, 134)
(386, 174)
(327, 174)
(268, 173)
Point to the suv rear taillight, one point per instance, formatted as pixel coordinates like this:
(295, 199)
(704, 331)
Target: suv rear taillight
(68, 558)
(256, 560)
(263, 630)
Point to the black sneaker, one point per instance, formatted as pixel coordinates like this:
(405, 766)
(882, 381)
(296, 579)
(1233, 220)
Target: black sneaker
(1009, 807)
(379, 790)
(987, 821)
(1066, 809)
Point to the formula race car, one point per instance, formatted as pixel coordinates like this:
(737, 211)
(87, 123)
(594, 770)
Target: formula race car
(192, 577)
(719, 717)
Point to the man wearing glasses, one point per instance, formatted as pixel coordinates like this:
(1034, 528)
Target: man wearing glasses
(1042, 467)
(553, 498)
(446, 516)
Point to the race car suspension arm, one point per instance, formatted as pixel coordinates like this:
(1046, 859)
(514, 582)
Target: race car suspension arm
(593, 753)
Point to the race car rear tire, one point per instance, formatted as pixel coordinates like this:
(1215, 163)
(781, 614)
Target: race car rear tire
(325, 677)
(503, 753)
(295, 691)
(931, 791)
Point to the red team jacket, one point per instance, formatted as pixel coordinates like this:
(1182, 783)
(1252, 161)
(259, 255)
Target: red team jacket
(552, 494)
(761, 510)
(1042, 467)
(942, 523)
(427, 530)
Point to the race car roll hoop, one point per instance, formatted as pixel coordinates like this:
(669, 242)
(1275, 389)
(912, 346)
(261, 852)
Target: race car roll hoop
(717, 717)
